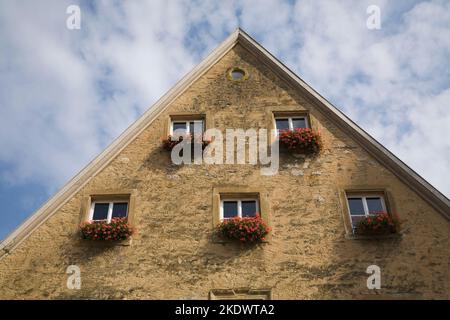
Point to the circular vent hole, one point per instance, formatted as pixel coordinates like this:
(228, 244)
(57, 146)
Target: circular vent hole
(237, 74)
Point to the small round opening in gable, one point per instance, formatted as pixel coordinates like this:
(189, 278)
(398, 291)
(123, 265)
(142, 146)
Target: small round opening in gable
(237, 74)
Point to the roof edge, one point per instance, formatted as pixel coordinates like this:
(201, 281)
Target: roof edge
(41, 215)
(407, 175)
(424, 189)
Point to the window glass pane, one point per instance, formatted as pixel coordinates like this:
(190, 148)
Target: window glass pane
(120, 210)
(375, 205)
(299, 123)
(197, 127)
(356, 206)
(282, 124)
(100, 211)
(249, 208)
(179, 126)
(230, 209)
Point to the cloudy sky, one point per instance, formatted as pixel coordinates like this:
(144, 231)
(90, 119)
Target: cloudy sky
(66, 94)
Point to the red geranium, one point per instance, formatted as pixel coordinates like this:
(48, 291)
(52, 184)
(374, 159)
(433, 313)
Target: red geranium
(304, 140)
(377, 223)
(247, 229)
(117, 229)
(170, 142)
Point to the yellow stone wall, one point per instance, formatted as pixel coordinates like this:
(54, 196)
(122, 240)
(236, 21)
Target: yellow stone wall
(174, 256)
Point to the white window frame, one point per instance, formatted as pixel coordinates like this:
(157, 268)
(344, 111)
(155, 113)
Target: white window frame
(365, 206)
(188, 125)
(239, 201)
(110, 209)
(289, 118)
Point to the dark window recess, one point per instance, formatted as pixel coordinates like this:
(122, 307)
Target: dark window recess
(100, 211)
(356, 206)
(282, 124)
(299, 123)
(179, 126)
(230, 209)
(374, 205)
(120, 210)
(196, 127)
(248, 208)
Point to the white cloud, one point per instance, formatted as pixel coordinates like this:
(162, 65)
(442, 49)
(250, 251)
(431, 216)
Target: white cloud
(394, 81)
(65, 94)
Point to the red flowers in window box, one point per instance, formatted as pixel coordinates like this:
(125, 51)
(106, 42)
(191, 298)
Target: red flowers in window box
(248, 229)
(300, 140)
(117, 229)
(377, 224)
(169, 143)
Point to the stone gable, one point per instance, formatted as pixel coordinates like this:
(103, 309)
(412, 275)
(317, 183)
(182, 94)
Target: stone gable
(309, 254)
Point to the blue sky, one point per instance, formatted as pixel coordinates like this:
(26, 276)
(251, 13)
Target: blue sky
(66, 94)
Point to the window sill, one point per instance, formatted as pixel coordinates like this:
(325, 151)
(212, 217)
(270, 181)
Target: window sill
(373, 237)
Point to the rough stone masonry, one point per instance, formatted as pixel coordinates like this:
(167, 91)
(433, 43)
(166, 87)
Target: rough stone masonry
(174, 256)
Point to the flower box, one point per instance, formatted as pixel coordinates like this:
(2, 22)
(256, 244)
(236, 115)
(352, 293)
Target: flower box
(118, 229)
(248, 229)
(376, 224)
(300, 140)
(169, 143)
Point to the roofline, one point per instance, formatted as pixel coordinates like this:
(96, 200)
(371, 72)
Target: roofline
(425, 190)
(407, 175)
(104, 158)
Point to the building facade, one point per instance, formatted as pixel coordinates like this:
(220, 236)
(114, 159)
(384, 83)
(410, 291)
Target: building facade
(311, 252)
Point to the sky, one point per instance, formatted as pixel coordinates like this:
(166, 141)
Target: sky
(65, 94)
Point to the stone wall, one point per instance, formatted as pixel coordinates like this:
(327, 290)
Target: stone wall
(173, 255)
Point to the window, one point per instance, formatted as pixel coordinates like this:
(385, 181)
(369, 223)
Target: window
(291, 123)
(361, 206)
(238, 201)
(187, 127)
(237, 74)
(104, 205)
(230, 208)
(103, 210)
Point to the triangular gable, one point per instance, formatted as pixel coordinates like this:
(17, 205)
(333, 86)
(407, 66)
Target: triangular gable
(425, 190)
